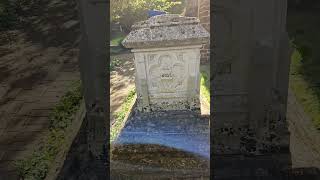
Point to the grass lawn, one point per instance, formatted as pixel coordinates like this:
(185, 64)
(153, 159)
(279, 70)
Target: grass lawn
(303, 28)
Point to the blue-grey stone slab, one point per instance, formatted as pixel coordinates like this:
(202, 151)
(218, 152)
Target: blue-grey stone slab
(183, 131)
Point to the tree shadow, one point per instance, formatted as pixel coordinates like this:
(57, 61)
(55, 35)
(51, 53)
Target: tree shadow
(51, 23)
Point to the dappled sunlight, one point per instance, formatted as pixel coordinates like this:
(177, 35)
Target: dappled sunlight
(121, 81)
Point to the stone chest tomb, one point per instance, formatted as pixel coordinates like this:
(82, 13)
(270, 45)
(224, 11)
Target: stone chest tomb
(167, 60)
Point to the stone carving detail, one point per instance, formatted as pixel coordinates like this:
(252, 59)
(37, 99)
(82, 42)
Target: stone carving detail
(168, 74)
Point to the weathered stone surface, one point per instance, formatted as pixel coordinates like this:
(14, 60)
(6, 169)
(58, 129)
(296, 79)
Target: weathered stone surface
(166, 30)
(250, 83)
(167, 61)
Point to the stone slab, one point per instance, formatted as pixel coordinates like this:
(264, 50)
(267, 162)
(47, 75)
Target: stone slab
(173, 136)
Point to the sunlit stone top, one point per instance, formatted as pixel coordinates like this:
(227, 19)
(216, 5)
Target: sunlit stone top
(166, 30)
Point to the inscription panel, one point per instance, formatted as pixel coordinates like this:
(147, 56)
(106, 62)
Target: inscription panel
(173, 77)
(167, 73)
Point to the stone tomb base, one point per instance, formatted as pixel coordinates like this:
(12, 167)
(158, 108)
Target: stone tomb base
(162, 145)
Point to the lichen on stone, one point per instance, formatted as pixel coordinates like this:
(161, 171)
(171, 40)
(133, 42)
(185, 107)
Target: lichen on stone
(166, 30)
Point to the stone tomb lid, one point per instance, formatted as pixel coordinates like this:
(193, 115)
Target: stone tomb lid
(166, 30)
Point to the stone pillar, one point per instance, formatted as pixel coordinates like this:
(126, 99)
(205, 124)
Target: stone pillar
(167, 61)
(93, 63)
(250, 82)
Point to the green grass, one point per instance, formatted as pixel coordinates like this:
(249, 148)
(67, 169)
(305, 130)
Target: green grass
(115, 42)
(205, 87)
(306, 94)
(116, 38)
(37, 165)
(120, 115)
(303, 28)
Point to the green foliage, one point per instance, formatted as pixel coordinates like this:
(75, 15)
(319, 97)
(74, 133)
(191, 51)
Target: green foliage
(127, 12)
(304, 50)
(115, 43)
(120, 115)
(61, 116)
(36, 166)
(306, 94)
(205, 87)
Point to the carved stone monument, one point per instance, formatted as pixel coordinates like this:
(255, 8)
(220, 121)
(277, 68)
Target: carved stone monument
(167, 60)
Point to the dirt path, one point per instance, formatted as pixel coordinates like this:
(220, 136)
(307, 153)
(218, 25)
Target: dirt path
(121, 81)
(37, 64)
(304, 138)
